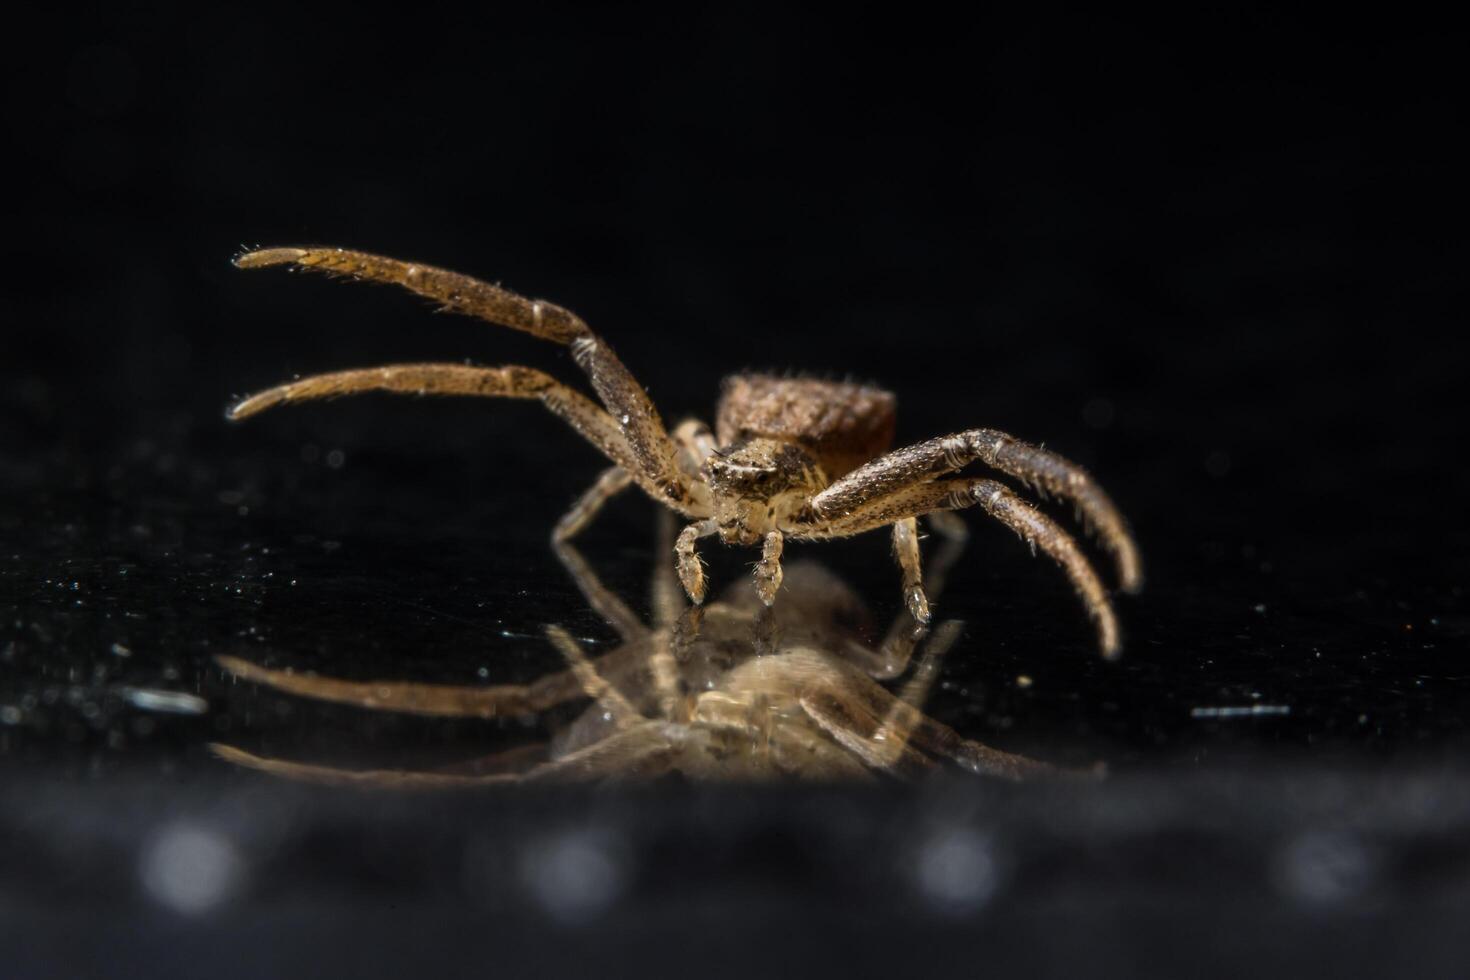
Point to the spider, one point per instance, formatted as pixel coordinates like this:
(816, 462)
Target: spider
(737, 691)
(789, 457)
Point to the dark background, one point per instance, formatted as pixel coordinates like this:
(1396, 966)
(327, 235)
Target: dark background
(1218, 260)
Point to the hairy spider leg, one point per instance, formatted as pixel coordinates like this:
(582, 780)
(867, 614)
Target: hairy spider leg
(691, 567)
(1000, 502)
(1045, 471)
(512, 381)
(906, 551)
(631, 409)
(896, 650)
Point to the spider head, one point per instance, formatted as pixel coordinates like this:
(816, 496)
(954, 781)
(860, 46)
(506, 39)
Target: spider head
(757, 470)
(758, 486)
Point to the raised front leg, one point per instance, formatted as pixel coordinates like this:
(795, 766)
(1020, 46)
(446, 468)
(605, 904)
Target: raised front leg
(512, 381)
(628, 404)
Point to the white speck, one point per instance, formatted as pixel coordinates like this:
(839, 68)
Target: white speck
(576, 875)
(168, 702)
(118, 650)
(190, 869)
(1260, 607)
(10, 715)
(956, 869)
(623, 419)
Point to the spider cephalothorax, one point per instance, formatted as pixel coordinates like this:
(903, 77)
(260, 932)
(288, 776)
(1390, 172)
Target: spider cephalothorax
(790, 457)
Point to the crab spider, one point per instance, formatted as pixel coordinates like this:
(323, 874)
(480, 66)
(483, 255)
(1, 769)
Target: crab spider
(789, 457)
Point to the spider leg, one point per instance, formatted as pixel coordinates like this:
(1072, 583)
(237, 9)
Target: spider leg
(893, 655)
(915, 690)
(666, 593)
(435, 700)
(612, 609)
(691, 570)
(594, 685)
(1000, 502)
(906, 550)
(768, 570)
(641, 750)
(513, 381)
(610, 483)
(626, 401)
(865, 719)
(852, 725)
(891, 730)
(438, 700)
(1044, 470)
(668, 603)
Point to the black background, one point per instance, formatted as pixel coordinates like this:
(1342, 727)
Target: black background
(1217, 259)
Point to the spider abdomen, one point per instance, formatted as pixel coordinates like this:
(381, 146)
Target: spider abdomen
(840, 424)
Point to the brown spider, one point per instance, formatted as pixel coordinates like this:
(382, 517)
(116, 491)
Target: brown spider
(795, 458)
(734, 690)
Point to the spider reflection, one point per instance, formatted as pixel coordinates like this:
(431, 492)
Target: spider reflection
(733, 690)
